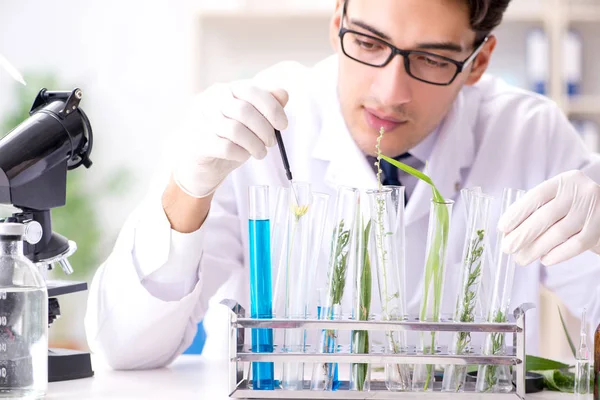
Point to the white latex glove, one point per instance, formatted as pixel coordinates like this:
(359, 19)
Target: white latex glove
(557, 220)
(226, 125)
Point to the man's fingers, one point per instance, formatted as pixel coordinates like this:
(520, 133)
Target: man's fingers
(565, 251)
(239, 134)
(264, 102)
(531, 201)
(582, 241)
(225, 149)
(553, 237)
(535, 225)
(246, 114)
(281, 96)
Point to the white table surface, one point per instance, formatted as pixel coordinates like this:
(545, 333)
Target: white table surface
(189, 377)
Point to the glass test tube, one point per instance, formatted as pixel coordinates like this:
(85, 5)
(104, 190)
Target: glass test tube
(485, 286)
(279, 232)
(260, 283)
(342, 235)
(318, 221)
(473, 259)
(295, 269)
(582, 363)
(388, 257)
(360, 374)
(497, 378)
(433, 287)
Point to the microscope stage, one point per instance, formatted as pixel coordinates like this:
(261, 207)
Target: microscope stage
(57, 287)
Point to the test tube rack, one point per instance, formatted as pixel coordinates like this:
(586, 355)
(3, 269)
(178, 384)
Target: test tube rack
(240, 355)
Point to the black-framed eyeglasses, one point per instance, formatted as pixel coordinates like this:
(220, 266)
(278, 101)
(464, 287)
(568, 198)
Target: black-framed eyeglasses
(421, 65)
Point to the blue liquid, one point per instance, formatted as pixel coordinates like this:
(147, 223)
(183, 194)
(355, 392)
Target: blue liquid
(261, 300)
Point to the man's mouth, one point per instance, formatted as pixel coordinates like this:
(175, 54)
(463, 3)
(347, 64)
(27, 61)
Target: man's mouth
(377, 120)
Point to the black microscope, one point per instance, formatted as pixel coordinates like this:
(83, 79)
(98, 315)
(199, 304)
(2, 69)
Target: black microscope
(34, 160)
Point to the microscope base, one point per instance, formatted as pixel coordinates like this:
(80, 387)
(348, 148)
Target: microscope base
(66, 365)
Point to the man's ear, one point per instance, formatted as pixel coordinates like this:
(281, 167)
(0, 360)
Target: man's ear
(334, 26)
(481, 62)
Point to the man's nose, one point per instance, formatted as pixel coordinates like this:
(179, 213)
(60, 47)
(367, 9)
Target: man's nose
(392, 85)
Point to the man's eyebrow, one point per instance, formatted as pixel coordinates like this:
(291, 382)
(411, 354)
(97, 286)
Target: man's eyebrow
(369, 28)
(450, 46)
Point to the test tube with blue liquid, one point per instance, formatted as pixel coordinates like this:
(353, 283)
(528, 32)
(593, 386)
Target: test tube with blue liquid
(260, 283)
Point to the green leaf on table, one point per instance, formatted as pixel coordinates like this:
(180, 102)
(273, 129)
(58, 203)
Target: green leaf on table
(472, 368)
(560, 381)
(534, 363)
(564, 325)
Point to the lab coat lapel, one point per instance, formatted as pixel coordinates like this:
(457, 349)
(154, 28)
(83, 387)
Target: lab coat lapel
(454, 150)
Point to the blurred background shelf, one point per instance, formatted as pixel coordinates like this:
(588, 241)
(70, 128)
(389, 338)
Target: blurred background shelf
(584, 13)
(583, 105)
(525, 12)
(253, 13)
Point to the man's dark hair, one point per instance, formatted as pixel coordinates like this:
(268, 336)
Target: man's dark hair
(486, 15)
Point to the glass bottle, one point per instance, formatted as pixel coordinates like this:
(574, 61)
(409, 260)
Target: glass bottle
(23, 319)
(471, 272)
(433, 287)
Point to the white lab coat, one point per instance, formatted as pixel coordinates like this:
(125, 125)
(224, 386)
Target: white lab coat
(147, 298)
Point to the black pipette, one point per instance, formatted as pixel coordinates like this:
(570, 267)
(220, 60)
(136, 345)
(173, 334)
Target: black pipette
(286, 164)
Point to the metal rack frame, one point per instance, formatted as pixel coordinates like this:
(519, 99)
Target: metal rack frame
(239, 354)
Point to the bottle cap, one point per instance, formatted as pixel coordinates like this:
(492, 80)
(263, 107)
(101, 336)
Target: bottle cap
(8, 228)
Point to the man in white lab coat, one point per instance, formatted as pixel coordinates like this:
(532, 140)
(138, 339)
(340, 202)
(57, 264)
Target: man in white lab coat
(415, 68)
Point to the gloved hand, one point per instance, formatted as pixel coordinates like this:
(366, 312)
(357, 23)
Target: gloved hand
(225, 126)
(555, 221)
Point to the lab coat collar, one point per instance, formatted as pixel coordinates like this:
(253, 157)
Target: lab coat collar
(423, 150)
(450, 148)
